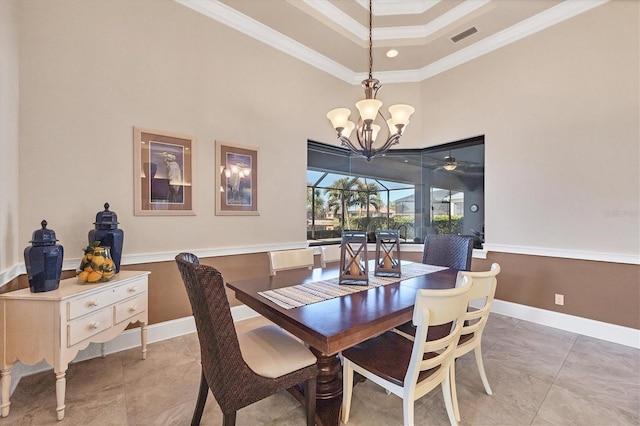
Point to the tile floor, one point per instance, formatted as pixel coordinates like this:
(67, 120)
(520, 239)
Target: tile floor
(539, 376)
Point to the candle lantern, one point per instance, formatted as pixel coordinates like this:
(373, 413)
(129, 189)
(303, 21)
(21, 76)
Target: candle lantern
(43, 260)
(354, 267)
(106, 231)
(387, 254)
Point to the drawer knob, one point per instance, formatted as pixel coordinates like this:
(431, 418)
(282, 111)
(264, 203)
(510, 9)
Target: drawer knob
(91, 303)
(133, 308)
(93, 325)
(132, 289)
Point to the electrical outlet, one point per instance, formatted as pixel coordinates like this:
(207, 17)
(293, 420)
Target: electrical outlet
(560, 299)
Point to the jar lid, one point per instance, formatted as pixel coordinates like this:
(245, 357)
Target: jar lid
(44, 236)
(106, 219)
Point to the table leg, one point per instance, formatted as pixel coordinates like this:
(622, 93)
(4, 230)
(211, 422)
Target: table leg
(329, 381)
(143, 339)
(6, 390)
(61, 388)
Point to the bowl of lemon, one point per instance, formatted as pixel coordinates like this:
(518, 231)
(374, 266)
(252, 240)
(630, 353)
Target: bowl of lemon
(96, 265)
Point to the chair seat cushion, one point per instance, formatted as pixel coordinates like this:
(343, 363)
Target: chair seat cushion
(387, 356)
(271, 352)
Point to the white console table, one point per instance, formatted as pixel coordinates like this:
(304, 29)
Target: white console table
(53, 326)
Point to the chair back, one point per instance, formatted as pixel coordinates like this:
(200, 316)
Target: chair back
(290, 259)
(481, 297)
(432, 308)
(329, 254)
(222, 362)
(452, 251)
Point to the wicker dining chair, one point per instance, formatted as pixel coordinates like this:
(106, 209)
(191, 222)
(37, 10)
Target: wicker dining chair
(452, 251)
(241, 369)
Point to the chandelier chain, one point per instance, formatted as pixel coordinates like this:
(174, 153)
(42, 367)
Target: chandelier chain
(370, 39)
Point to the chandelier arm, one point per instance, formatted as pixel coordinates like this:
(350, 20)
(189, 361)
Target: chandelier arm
(393, 140)
(347, 143)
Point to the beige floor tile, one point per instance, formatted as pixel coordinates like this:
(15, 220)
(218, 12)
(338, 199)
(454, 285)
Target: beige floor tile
(539, 376)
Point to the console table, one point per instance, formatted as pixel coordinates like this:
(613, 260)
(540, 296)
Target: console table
(53, 326)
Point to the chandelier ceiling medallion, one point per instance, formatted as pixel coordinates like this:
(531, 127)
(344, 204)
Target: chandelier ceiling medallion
(366, 129)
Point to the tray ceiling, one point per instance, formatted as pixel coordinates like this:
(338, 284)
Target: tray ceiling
(332, 35)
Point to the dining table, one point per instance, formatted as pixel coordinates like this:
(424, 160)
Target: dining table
(332, 325)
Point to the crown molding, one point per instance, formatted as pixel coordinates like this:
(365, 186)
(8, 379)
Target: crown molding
(537, 23)
(242, 23)
(398, 7)
(254, 29)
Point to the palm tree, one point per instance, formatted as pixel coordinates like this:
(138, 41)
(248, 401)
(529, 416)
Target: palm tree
(315, 202)
(341, 198)
(368, 194)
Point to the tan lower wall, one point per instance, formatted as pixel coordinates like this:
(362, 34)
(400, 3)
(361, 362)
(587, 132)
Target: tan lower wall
(607, 292)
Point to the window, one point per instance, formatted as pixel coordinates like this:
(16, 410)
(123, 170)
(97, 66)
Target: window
(416, 191)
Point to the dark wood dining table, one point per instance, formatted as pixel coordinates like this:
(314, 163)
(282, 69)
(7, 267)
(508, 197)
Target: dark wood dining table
(335, 324)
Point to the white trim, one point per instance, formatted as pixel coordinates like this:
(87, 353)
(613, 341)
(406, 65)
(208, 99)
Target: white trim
(600, 330)
(226, 15)
(539, 22)
(254, 29)
(633, 259)
(12, 272)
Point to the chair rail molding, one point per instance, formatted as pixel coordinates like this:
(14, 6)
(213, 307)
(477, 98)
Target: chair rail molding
(633, 259)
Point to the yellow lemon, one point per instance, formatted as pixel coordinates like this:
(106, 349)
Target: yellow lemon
(94, 277)
(88, 268)
(108, 274)
(97, 261)
(83, 276)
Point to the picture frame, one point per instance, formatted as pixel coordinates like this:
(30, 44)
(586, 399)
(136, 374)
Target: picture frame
(163, 173)
(236, 180)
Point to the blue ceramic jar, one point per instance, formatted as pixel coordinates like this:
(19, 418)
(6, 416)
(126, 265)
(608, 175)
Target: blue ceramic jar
(43, 260)
(106, 231)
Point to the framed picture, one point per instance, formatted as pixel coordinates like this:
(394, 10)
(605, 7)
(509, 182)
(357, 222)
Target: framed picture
(236, 180)
(163, 173)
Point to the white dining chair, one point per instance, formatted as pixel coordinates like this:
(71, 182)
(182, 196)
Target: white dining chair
(290, 259)
(411, 369)
(481, 297)
(329, 254)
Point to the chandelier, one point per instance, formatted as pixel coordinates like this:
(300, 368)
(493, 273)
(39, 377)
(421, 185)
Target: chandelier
(366, 130)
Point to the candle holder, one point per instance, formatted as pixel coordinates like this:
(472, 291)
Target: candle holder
(387, 254)
(354, 266)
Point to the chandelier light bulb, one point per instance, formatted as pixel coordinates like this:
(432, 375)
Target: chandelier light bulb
(368, 109)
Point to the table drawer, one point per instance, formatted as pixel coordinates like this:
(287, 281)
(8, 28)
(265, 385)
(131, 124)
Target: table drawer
(130, 289)
(86, 327)
(84, 305)
(130, 308)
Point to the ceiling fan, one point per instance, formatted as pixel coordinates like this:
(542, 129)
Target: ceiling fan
(450, 164)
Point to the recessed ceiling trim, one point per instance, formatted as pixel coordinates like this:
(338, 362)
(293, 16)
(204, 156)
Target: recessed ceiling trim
(399, 7)
(536, 23)
(394, 33)
(242, 23)
(249, 26)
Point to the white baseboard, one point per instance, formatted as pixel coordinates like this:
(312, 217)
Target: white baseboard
(174, 328)
(600, 330)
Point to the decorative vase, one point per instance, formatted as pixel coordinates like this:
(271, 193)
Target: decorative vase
(107, 233)
(43, 260)
(96, 265)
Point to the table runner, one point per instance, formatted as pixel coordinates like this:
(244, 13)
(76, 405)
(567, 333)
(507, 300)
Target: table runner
(308, 293)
